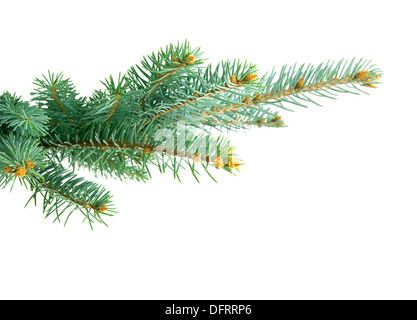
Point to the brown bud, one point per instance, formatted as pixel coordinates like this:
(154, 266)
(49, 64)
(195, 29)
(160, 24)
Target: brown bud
(246, 100)
(361, 75)
(8, 170)
(250, 77)
(196, 157)
(299, 84)
(257, 97)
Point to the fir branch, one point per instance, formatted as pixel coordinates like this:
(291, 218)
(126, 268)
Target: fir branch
(108, 140)
(156, 84)
(157, 115)
(60, 100)
(206, 92)
(116, 102)
(115, 105)
(21, 117)
(58, 103)
(158, 68)
(62, 190)
(138, 146)
(20, 159)
(326, 80)
(199, 97)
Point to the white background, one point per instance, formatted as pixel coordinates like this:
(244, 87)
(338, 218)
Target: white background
(324, 209)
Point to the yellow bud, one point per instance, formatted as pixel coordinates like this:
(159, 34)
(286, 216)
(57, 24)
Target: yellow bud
(20, 172)
(250, 77)
(30, 165)
(218, 162)
(233, 163)
(190, 59)
(196, 158)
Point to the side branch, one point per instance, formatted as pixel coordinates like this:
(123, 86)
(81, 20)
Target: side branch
(146, 149)
(56, 100)
(94, 144)
(198, 97)
(116, 104)
(274, 122)
(86, 205)
(188, 60)
(359, 77)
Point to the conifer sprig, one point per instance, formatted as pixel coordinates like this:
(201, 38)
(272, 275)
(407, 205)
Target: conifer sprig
(64, 192)
(159, 114)
(20, 117)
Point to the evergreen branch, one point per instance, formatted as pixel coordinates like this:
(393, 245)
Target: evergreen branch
(20, 154)
(239, 124)
(60, 100)
(115, 105)
(157, 115)
(20, 159)
(22, 118)
(59, 104)
(115, 92)
(102, 145)
(63, 190)
(158, 68)
(156, 84)
(198, 98)
(206, 92)
(118, 165)
(135, 141)
(293, 84)
(123, 145)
